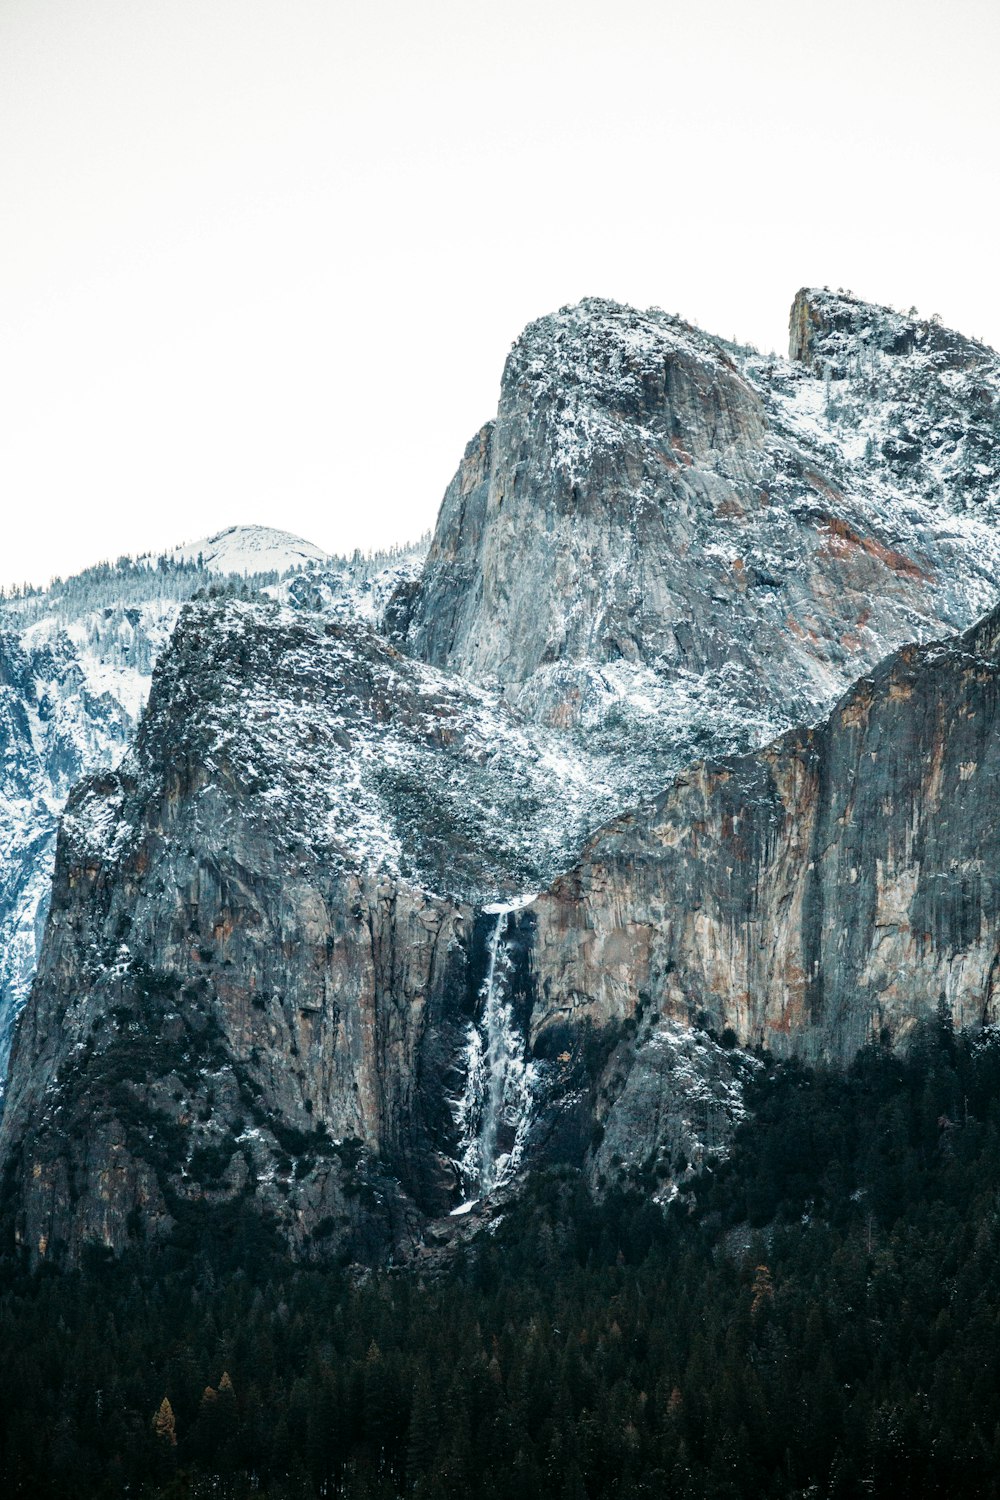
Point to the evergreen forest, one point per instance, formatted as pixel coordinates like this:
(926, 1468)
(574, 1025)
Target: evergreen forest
(818, 1315)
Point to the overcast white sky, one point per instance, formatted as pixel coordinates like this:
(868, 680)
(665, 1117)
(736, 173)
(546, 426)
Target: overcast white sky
(262, 260)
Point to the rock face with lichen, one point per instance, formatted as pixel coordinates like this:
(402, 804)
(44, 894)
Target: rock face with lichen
(367, 923)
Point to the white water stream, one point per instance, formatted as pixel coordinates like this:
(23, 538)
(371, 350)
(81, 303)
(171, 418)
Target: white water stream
(494, 1110)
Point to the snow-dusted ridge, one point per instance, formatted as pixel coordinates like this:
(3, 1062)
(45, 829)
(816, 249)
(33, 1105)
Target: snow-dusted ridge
(390, 766)
(682, 546)
(247, 550)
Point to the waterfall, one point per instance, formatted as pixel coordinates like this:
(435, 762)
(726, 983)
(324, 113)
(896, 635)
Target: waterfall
(494, 1109)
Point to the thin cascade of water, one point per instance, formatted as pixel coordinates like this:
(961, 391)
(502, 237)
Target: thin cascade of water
(493, 1112)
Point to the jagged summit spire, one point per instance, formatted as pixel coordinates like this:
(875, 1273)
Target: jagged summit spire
(832, 328)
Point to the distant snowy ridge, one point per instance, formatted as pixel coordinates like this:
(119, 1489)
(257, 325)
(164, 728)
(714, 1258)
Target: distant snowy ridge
(250, 550)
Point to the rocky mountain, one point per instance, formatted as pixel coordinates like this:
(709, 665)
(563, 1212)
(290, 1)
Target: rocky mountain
(71, 691)
(76, 662)
(248, 986)
(665, 535)
(388, 902)
(244, 948)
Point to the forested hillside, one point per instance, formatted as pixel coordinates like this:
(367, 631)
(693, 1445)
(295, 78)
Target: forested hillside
(818, 1317)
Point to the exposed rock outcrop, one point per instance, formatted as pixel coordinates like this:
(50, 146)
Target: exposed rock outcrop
(75, 668)
(234, 1000)
(247, 979)
(837, 329)
(821, 894)
(922, 401)
(664, 537)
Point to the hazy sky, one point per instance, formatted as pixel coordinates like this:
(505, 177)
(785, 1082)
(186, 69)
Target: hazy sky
(262, 260)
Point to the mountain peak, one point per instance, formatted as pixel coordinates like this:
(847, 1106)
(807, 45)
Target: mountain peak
(251, 549)
(605, 354)
(827, 328)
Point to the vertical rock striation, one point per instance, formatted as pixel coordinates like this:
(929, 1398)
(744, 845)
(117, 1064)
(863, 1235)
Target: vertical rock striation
(823, 893)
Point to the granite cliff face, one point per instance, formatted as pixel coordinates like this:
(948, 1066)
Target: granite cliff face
(245, 997)
(387, 901)
(248, 985)
(822, 894)
(666, 537)
(223, 984)
(76, 664)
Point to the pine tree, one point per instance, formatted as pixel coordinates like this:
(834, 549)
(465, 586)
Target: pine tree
(763, 1290)
(422, 1439)
(164, 1425)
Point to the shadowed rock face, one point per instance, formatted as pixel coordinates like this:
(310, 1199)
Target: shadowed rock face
(240, 996)
(75, 667)
(55, 725)
(827, 891)
(261, 961)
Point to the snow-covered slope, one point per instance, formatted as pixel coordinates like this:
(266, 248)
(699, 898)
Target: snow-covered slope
(249, 550)
(394, 768)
